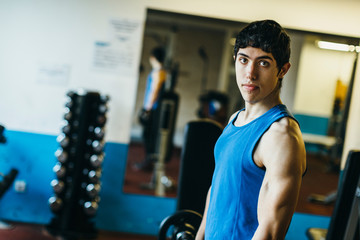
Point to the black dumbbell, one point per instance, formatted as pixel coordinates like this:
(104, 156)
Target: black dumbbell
(55, 203)
(184, 225)
(93, 190)
(59, 170)
(57, 185)
(96, 160)
(61, 155)
(94, 175)
(90, 208)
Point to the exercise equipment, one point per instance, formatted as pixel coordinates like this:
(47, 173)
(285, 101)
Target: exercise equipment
(323, 199)
(203, 55)
(168, 113)
(197, 163)
(7, 179)
(214, 106)
(196, 169)
(341, 129)
(183, 225)
(334, 145)
(78, 169)
(2, 137)
(344, 223)
(165, 116)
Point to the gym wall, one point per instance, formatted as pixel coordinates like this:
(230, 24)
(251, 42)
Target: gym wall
(49, 47)
(315, 91)
(318, 72)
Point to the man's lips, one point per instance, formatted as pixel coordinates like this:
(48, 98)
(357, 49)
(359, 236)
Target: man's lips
(249, 87)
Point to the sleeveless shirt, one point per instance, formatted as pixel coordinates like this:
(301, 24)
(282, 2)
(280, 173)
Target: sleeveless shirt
(149, 89)
(236, 183)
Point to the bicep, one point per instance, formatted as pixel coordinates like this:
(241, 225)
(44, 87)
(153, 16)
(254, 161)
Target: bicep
(283, 158)
(276, 205)
(278, 196)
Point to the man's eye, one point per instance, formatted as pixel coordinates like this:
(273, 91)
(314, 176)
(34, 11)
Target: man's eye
(264, 63)
(243, 60)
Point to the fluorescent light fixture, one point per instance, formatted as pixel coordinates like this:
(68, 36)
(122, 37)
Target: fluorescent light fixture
(337, 46)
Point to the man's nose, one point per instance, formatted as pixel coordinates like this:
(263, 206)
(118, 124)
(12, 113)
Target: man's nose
(251, 71)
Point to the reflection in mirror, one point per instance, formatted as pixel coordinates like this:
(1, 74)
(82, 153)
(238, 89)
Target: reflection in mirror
(199, 63)
(195, 50)
(321, 103)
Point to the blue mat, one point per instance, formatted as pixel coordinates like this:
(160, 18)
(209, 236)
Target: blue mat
(301, 222)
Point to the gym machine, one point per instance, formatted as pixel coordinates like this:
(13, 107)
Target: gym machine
(168, 107)
(344, 223)
(165, 120)
(214, 106)
(7, 179)
(78, 168)
(334, 145)
(197, 166)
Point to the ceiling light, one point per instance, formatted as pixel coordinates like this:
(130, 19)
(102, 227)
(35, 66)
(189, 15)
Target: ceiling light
(337, 46)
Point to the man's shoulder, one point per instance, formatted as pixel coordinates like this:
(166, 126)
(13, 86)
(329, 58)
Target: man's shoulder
(285, 132)
(285, 126)
(283, 142)
(233, 116)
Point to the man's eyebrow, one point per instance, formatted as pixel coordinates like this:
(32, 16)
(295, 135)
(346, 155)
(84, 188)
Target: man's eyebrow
(265, 57)
(242, 54)
(260, 57)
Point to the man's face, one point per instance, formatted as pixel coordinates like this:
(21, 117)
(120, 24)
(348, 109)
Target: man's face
(257, 74)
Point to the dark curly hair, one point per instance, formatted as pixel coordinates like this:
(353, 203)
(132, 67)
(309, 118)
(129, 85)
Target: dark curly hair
(159, 54)
(267, 35)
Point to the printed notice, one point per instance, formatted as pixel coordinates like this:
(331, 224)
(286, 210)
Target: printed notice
(112, 57)
(118, 55)
(53, 74)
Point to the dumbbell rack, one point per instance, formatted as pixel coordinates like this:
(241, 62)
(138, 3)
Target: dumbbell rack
(78, 169)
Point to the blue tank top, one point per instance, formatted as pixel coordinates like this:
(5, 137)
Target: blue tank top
(148, 87)
(232, 212)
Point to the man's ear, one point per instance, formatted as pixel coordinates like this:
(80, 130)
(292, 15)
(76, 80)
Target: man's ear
(284, 69)
(234, 57)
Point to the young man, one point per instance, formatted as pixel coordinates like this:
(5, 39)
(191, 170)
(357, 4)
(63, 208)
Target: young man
(260, 156)
(154, 85)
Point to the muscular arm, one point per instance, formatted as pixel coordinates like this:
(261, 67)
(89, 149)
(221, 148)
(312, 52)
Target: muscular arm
(201, 232)
(281, 151)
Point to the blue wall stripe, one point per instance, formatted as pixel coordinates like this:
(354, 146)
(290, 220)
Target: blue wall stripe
(312, 124)
(33, 155)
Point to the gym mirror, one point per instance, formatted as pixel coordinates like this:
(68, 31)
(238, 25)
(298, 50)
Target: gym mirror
(198, 57)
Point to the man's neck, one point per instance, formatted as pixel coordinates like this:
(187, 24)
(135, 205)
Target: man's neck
(156, 66)
(255, 110)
